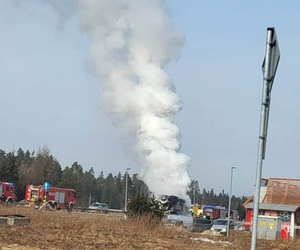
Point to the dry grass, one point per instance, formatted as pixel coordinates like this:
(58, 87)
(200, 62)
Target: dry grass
(62, 230)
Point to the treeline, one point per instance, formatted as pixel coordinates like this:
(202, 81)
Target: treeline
(25, 167)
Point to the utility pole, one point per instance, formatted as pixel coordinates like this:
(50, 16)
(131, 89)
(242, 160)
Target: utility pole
(269, 70)
(230, 196)
(90, 199)
(194, 193)
(126, 190)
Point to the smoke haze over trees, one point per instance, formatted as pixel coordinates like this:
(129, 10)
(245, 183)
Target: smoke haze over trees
(25, 167)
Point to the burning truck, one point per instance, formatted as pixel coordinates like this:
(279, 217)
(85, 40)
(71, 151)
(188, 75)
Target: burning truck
(176, 211)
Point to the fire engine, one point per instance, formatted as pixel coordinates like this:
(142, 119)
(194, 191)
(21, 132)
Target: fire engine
(58, 198)
(7, 192)
(214, 212)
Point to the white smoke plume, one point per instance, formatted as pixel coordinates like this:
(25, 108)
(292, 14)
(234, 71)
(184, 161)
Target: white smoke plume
(132, 41)
(63, 8)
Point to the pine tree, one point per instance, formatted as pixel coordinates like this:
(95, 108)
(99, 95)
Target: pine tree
(99, 183)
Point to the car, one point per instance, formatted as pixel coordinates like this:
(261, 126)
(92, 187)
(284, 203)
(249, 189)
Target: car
(220, 225)
(98, 206)
(201, 225)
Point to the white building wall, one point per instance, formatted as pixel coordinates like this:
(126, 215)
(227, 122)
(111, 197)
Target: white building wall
(262, 194)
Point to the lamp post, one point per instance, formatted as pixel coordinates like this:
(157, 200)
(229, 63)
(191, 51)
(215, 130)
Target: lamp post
(126, 189)
(230, 195)
(90, 198)
(194, 193)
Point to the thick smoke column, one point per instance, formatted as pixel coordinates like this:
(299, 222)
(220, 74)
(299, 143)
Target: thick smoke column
(132, 41)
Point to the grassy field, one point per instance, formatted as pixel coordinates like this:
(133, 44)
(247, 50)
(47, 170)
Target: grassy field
(62, 230)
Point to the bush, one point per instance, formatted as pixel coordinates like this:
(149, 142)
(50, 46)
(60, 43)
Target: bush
(142, 205)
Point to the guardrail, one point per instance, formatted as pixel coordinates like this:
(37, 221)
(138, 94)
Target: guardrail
(86, 209)
(79, 209)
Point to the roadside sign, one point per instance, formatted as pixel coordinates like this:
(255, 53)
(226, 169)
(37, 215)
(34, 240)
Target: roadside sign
(274, 59)
(46, 185)
(269, 70)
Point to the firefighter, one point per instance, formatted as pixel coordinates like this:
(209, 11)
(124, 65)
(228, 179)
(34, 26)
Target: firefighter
(32, 200)
(195, 210)
(3, 198)
(39, 201)
(45, 198)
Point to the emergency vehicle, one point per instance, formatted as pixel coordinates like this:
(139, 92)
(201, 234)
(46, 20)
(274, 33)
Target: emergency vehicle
(58, 198)
(7, 192)
(214, 212)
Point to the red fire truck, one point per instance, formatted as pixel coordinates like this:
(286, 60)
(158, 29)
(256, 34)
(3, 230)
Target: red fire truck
(7, 192)
(58, 198)
(214, 212)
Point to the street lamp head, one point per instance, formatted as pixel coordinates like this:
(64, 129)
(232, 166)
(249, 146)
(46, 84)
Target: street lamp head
(128, 169)
(233, 168)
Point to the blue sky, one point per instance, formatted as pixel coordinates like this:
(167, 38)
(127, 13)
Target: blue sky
(48, 96)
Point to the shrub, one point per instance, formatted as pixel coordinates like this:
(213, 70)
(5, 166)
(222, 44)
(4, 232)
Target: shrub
(142, 205)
